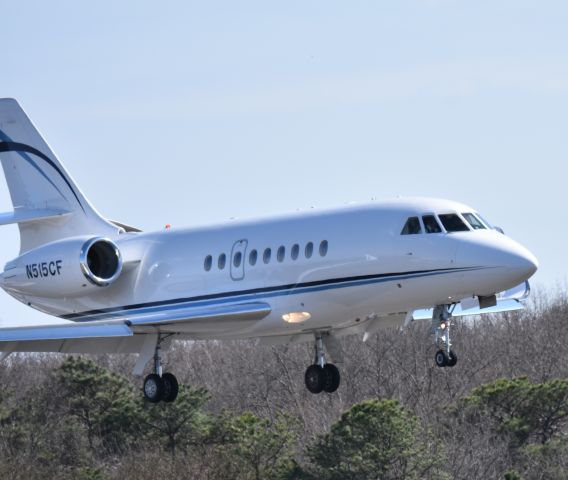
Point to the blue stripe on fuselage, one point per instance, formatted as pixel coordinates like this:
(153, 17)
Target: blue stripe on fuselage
(223, 298)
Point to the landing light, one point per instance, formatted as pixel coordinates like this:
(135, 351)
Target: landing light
(296, 317)
(443, 325)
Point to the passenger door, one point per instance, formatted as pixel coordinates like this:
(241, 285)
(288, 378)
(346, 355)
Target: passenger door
(238, 258)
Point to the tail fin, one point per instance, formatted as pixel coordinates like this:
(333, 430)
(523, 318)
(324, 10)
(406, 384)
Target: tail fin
(47, 204)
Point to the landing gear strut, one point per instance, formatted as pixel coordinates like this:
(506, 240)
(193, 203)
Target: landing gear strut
(321, 376)
(441, 322)
(158, 386)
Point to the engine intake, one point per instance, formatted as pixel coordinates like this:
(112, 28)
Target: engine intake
(101, 262)
(67, 268)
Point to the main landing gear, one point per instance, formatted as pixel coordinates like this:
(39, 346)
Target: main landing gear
(441, 322)
(158, 386)
(321, 376)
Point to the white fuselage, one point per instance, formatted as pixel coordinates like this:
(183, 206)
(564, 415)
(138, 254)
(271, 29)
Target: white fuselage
(366, 268)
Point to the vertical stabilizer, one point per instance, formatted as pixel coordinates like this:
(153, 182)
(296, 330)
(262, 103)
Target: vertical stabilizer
(38, 183)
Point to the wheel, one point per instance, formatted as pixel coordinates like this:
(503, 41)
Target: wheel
(331, 378)
(314, 378)
(452, 359)
(441, 358)
(171, 387)
(153, 388)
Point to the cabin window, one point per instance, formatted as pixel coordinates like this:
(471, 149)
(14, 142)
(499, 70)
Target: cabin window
(323, 248)
(431, 225)
(475, 223)
(207, 263)
(237, 259)
(309, 250)
(222, 261)
(281, 253)
(253, 255)
(295, 251)
(267, 255)
(411, 227)
(453, 223)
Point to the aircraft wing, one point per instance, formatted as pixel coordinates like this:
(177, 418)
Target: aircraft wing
(510, 300)
(128, 334)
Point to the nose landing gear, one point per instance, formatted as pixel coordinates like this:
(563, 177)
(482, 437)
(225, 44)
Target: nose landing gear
(321, 376)
(441, 323)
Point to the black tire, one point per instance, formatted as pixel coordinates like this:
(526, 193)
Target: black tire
(332, 378)
(314, 378)
(171, 387)
(441, 358)
(452, 359)
(153, 388)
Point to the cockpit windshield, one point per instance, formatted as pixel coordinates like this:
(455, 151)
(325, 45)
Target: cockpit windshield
(474, 221)
(484, 221)
(453, 223)
(412, 227)
(431, 224)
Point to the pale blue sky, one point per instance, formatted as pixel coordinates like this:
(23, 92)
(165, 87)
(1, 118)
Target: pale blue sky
(191, 112)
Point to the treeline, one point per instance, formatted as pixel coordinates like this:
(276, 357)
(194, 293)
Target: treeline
(244, 413)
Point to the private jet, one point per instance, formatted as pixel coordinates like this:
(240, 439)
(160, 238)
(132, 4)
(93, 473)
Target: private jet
(305, 277)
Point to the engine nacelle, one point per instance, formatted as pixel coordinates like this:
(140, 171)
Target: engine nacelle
(66, 268)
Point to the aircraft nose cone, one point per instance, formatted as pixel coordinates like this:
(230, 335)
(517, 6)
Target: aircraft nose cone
(524, 262)
(516, 263)
(504, 263)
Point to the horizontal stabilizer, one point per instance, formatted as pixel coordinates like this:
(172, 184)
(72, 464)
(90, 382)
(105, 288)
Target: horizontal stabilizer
(25, 215)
